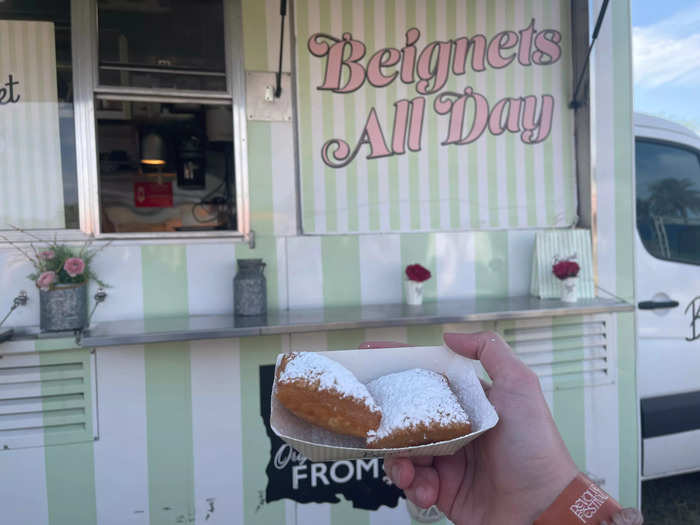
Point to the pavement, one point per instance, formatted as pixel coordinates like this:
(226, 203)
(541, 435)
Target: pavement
(672, 501)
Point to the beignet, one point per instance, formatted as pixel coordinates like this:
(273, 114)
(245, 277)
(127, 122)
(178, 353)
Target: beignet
(418, 407)
(325, 393)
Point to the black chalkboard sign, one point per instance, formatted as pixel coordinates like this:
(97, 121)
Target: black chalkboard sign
(292, 476)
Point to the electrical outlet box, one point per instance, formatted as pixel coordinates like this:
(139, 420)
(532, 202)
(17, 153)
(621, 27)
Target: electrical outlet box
(261, 103)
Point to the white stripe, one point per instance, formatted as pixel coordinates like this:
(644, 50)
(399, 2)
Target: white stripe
(13, 278)
(317, 131)
(391, 334)
(272, 26)
(360, 117)
(216, 431)
(518, 89)
(282, 291)
(306, 272)
(463, 151)
(338, 101)
(483, 164)
(538, 149)
(601, 412)
(455, 264)
(380, 268)
(442, 124)
(501, 141)
(121, 479)
(386, 107)
(424, 172)
(521, 244)
(314, 514)
(120, 266)
(23, 488)
(402, 92)
(210, 272)
(283, 190)
(603, 154)
(559, 133)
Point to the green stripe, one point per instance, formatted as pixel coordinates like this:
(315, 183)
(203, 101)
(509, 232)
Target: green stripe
(265, 249)
(260, 183)
(512, 141)
(420, 248)
(391, 97)
(414, 195)
(168, 389)
(424, 335)
(491, 267)
(452, 151)
(341, 270)
(569, 403)
(329, 174)
(568, 167)
(530, 194)
(624, 251)
(628, 410)
(491, 150)
(472, 149)
(547, 145)
(255, 35)
(433, 166)
(371, 101)
(306, 156)
(70, 468)
(254, 352)
(351, 136)
(169, 432)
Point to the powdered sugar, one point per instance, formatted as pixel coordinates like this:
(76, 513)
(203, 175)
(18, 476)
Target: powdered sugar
(333, 376)
(412, 397)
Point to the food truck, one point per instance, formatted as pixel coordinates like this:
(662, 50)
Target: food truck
(335, 142)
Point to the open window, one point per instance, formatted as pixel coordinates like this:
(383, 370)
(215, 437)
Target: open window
(163, 103)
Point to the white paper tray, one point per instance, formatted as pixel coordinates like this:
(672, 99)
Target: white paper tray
(318, 444)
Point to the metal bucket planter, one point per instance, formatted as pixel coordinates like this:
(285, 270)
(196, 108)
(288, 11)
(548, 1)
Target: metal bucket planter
(64, 308)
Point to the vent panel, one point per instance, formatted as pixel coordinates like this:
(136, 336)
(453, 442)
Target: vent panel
(46, 399)
(566, 352)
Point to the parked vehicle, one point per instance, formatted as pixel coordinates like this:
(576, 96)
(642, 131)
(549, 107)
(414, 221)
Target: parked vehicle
(668, 290)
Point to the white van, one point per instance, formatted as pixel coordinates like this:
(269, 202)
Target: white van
(668, 290)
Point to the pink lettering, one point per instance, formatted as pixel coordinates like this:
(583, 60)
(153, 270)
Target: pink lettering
(336, 152)
(537, 128)
(384, 58)
(416, 109)
(526, 44)
(503, 40)
(409, 56)
(548, 48)
(433, 64)
(342, 53)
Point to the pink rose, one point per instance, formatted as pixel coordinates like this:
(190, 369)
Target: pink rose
(74, 266)
(47, 255)
(45, 280)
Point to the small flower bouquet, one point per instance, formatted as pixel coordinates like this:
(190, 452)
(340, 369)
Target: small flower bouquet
(567, 271)
(61, 273)
(416, 275)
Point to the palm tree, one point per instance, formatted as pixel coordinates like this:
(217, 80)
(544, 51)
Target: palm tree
(674, 197)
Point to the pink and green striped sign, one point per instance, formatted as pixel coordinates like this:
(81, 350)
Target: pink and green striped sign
(441, 115)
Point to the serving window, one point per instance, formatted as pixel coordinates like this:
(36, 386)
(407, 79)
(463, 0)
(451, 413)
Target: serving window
(143, 137)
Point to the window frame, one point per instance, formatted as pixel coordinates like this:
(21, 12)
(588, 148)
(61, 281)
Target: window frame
(84, 20)
(672, 144)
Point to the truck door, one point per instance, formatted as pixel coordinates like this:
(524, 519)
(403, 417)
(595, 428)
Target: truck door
(668, 291)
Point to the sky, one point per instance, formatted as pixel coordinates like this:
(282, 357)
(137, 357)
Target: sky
(666, 48)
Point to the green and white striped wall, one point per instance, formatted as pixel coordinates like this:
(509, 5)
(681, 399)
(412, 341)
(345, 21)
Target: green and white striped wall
(178, 424)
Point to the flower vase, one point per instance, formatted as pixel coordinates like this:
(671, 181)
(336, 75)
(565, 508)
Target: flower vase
(569, 290)
(414, 293)
(64, 308)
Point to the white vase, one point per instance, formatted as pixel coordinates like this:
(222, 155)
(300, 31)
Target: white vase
(414, 293)
(569, 290)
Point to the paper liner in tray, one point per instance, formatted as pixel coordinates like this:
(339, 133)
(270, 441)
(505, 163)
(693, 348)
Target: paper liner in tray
(318, 444)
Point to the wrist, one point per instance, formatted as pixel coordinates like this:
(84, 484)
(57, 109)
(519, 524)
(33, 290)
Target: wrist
(581, 501)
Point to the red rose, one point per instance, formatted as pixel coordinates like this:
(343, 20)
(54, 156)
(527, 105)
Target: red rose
(565, 269)
(416, 272)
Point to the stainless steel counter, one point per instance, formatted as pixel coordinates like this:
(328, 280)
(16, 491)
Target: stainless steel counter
(340, 318)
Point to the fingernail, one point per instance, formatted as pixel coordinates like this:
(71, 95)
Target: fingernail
(395, 474)
(423, 495)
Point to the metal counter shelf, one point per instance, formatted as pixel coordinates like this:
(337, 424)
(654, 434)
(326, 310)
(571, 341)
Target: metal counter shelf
(340, 318)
